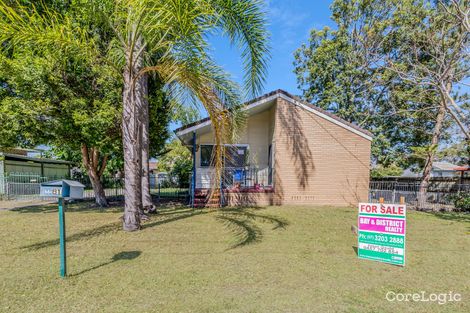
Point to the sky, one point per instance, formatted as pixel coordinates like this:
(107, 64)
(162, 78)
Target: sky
(290, 23)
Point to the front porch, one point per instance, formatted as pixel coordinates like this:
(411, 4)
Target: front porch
(236, 184)
(248, 162)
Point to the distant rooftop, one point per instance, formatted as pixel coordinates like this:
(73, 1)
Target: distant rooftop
(18, 157)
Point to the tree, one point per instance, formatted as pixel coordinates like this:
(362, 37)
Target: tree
(435, 56)
(67, 105)
(337, 71)
(167, 38)
(71, 108)
(177, 161)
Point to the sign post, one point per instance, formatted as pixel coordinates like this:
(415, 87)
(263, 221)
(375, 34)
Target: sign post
(381, 232)
(63, 251)
(62, 189)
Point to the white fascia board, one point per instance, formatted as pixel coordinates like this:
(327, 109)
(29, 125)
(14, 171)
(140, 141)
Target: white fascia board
(192, 128)
(287, 98)
(326, 117)
(248, 107)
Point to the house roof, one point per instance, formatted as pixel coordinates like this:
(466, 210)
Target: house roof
(291, 99)
(61, 182)
(409, 173)
(447, 166)
(17, 157)
(444, 166)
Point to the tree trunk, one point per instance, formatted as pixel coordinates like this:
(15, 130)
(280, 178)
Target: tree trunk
(100, 196)
(91, 160)
(133, 101)
(430, 157)
(146, 196)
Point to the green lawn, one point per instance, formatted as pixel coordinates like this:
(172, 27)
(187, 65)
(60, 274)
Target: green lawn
(278, 259)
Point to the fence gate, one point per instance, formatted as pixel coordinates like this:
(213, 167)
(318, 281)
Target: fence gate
(20, 186)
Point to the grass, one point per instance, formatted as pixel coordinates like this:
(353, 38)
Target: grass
(278, 259)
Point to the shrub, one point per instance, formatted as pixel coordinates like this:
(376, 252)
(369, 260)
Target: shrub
(462, 201)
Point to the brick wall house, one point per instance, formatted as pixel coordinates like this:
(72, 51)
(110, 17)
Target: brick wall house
(291, 152)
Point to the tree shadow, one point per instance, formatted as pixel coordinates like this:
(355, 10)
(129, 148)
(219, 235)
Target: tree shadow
(452, 216)
(94, 232)
(114, 227)
(124, 255)
(75, 206)
(176, 216)
(241, 222)
(292, 130)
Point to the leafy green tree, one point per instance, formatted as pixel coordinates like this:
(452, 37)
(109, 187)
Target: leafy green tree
(176, 161)
(66, 105)
(72, 108)
(382, 171)
(167, 38)
(433, 55)
(371, 71)
(337, 71)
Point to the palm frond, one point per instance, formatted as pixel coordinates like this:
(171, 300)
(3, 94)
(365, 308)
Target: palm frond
(245, 24)
(21, 25)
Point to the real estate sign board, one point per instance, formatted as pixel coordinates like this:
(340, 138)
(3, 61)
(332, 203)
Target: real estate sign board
(381, 232)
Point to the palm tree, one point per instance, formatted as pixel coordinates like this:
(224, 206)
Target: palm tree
(167, 38)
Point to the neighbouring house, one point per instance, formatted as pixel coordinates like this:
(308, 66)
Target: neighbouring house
(440, 169)
(447, 170)
(21, 169)
(291, 152)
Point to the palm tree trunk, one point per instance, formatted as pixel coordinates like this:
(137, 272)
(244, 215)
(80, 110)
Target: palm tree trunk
(91, 160)
(146, 196)
(133, 102)
(430, 157)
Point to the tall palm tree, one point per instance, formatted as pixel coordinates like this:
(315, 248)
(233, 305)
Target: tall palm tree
(167, 38)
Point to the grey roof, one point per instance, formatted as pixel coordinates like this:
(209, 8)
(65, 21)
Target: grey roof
(409, 173)
(60, 182)
(39, 160)
(444, 166)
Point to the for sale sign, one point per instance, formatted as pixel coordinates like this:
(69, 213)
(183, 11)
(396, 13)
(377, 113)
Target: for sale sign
(381, 232)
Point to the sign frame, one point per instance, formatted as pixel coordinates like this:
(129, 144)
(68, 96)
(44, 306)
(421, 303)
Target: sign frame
(381, 232)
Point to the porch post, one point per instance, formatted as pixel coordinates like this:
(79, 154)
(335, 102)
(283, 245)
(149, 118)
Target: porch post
(193, 178)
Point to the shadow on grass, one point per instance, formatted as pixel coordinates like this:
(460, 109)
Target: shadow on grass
(124, 255)
(241, 222)
(101, 230)
(452, 216)
(82, 206)
(175, 214)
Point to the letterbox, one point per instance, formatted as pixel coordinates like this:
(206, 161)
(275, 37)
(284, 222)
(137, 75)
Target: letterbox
(63, 188)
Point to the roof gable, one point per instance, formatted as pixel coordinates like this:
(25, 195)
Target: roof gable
(294, 101)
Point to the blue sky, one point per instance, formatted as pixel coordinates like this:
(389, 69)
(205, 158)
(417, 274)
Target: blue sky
(289, 24)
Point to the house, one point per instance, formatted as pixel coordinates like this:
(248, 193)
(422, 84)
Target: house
(291, 152)
(23, 169)
(440, 169)
(447, 170)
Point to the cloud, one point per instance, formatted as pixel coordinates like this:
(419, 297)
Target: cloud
(287, 21)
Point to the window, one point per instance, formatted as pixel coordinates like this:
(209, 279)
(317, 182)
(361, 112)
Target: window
(235, 155)
(206, 155)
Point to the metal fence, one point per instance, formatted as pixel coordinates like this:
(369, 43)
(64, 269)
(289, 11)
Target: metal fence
(27, 187)
(437, 196)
